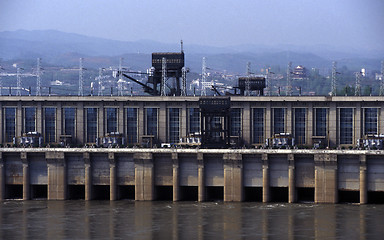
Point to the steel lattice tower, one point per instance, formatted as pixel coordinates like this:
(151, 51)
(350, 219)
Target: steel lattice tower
(203, 77)
(120, 81)
(184, 82)
(1, 81)
(334, 79)
(18, 76)
(382, 79)
(247, 91)
(38, 77)
(81, 79)
(289, 79)
(268, 80)
(100, 78)
(358, 84)
(163, 76)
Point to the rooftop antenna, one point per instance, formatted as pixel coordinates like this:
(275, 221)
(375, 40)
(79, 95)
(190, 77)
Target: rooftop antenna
(358, 83)
(204, 77)
(184, 82)
(181, 45)
(289, 79)
(120, 81)
(382, 79)
(268, 78)
(81, 79)
(38, 77)
(18, 76)
(1, 81)
(334, 79)
(163, 75)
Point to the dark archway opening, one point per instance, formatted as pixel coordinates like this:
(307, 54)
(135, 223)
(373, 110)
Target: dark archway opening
(39, 191)
(214, 193)
(349, 196)
(13, 191)
(253, 194)
(305, 194)
(76, 192)
(126, 192)
(100, 192)
(278, 194)
(375, 197)
(164, 193)
(188, 193)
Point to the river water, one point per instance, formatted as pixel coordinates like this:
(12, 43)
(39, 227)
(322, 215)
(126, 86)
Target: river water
(188, 220)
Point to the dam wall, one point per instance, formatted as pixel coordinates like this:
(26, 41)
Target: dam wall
(142, 174)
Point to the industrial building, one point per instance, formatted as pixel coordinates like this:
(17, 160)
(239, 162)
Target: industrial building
(140, 168)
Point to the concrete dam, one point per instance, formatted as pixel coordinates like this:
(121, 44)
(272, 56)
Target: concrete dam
(262, 175)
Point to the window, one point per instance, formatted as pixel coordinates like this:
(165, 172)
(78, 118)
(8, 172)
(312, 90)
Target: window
(278, 120)
(131, 125)
(300, 125)
(50, 125)
(91, 124)
(236, 122)
(111, 115)
(346, 125)
(151, 121)
(370, 121)
(194, 120)
(69, 121)
(174, 124)
(10, 124)
(258, 125)
(321, 122)
(29, 119)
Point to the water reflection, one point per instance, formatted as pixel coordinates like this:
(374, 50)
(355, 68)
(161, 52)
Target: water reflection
(187, 220)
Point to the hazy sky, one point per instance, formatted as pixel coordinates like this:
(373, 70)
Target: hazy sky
(355, 23)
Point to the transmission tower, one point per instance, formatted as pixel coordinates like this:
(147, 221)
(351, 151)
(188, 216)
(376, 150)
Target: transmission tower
(247, 80)
(358, 84)
(120, 81)
(268, 80)
(334, 79)
(1, 81)
(289, 79)
(382, 79)
(100, 78)
(163, 76)
(18, 76)
(204, 77)
(81, 79)
(184, 82)
(38, 77)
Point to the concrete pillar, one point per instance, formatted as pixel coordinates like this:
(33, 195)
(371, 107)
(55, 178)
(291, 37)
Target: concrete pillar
(246, 126)
(59, 121)
(100, 121)
(19, 119)
(2, 177)
(79, 130)
(326, 187)
(380, 120)
(144, 176)
(363, 180)
(121, 119)
(233, 177)
(291, 179)
(140, 122)
(268, 121)
(264, 158)
(201, 177)
(26, 180)
(289, 118)
(357, 126)
(39, 118)
(183, 121)
(112, 177)
(57, 175)
(162, 122)
(1, 125)
(88, 176)
(332, 125)
(309, 125)
(176, 177)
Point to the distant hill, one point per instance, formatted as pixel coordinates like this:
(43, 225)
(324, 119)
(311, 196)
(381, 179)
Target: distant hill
(64, 49)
